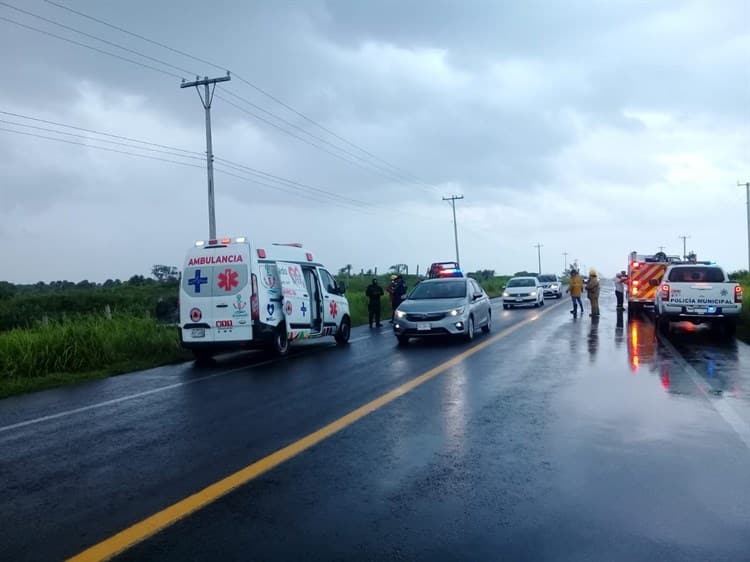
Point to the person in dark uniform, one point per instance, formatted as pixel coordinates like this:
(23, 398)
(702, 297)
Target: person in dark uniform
(398, 292)
(373, 293)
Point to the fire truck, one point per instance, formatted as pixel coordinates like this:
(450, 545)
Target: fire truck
(642, 268)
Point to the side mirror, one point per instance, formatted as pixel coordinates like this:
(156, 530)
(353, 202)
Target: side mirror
(654, 282)
(341, 288)
(477, 296)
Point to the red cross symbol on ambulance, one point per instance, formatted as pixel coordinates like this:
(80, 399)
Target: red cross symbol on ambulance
(334, 309)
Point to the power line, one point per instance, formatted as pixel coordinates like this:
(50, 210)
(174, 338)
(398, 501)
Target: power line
(189, 153)
(289, 184)
(391, 175)
(102, 51)
(47, 129)
(100, 147)
(303, 139)
(244, 81)
(58, 124)
(90, 36)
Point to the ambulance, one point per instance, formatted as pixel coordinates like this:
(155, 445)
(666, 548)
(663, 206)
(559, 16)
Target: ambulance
(235, 295)
(642, 268)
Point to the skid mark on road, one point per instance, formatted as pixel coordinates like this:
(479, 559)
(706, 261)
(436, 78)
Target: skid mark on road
(720, 405)
(170, 515)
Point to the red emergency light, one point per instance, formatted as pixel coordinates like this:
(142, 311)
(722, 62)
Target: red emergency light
(226, 240)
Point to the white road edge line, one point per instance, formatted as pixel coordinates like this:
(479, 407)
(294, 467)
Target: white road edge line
(722, 407)
(66, 413)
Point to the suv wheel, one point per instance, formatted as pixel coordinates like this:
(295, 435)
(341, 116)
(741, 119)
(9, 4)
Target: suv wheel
(344, 331)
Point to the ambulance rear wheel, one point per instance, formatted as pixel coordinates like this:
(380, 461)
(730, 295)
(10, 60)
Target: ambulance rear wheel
(202, 356)
(280, 344)
(344, 331)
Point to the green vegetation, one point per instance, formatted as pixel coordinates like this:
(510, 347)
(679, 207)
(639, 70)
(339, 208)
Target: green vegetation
(83, 348)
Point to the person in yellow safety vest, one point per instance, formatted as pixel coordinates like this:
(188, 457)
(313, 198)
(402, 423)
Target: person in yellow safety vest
(575, 288)
(592, 289)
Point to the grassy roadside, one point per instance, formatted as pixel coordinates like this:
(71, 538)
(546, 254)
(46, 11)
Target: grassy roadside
(84, 349)
(743, 329)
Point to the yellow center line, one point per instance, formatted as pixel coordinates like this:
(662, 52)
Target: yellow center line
(151, 525)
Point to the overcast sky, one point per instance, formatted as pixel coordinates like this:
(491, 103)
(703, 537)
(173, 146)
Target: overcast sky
(594, 128)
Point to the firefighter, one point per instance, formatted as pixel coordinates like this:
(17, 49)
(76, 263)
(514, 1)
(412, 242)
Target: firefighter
(592, 290)
(575, 288)
(373, 293)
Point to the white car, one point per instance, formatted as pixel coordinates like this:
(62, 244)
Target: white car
(523, 291)
(551, 284)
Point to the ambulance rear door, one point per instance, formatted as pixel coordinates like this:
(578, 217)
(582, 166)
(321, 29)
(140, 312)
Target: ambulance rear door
(215, 294)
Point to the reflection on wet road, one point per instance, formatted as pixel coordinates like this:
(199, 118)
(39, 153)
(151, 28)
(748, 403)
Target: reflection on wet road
(561, 438)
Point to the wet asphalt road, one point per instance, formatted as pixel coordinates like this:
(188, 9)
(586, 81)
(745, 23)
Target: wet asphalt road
(567, 439)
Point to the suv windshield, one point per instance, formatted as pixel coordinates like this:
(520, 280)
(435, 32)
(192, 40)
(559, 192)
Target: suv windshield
(441, 290)
(547, 278)
(521, 283)
(696, 274)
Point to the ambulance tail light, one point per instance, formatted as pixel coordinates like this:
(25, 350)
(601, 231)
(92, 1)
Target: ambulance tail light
(738, 294)
(261, 253)
(665, 291)
(254, 307)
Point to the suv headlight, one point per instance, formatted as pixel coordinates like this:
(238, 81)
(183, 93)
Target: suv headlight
(533, 293)
(457, 311)
(506, 294)
(400, 314)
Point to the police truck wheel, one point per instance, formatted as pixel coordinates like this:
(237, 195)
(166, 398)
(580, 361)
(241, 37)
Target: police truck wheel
(730, 328)
(344, 331)
(403, 340)
(280, 345)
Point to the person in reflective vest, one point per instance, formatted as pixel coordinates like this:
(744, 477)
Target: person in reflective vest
(592, 290)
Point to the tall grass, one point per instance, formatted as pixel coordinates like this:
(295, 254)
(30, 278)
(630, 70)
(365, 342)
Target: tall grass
(85, 344)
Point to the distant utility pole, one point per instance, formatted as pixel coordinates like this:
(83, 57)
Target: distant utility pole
(539, 255)
(206, 100)
(661, 248)
(566, 261)
(747, 194)
(453, 199)
(684, 245)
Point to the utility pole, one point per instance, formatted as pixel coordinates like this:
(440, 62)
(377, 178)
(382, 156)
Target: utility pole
(747, 193)
(684, 242)
(539, 255)
(661, 248)
(453, 199)
(206, 100)
(566, 261)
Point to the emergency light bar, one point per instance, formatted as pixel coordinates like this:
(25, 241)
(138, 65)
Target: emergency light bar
(227, 240)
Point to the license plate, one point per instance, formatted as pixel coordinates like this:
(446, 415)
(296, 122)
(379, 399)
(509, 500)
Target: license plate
(423, 326)
(518, 299)
(198, 333)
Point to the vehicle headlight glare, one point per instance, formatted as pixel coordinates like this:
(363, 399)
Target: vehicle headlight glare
(400, 314)
(506, 294)
(457, 311)
(533, 293)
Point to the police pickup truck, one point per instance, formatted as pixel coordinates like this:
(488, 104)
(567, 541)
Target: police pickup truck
(697, 293)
